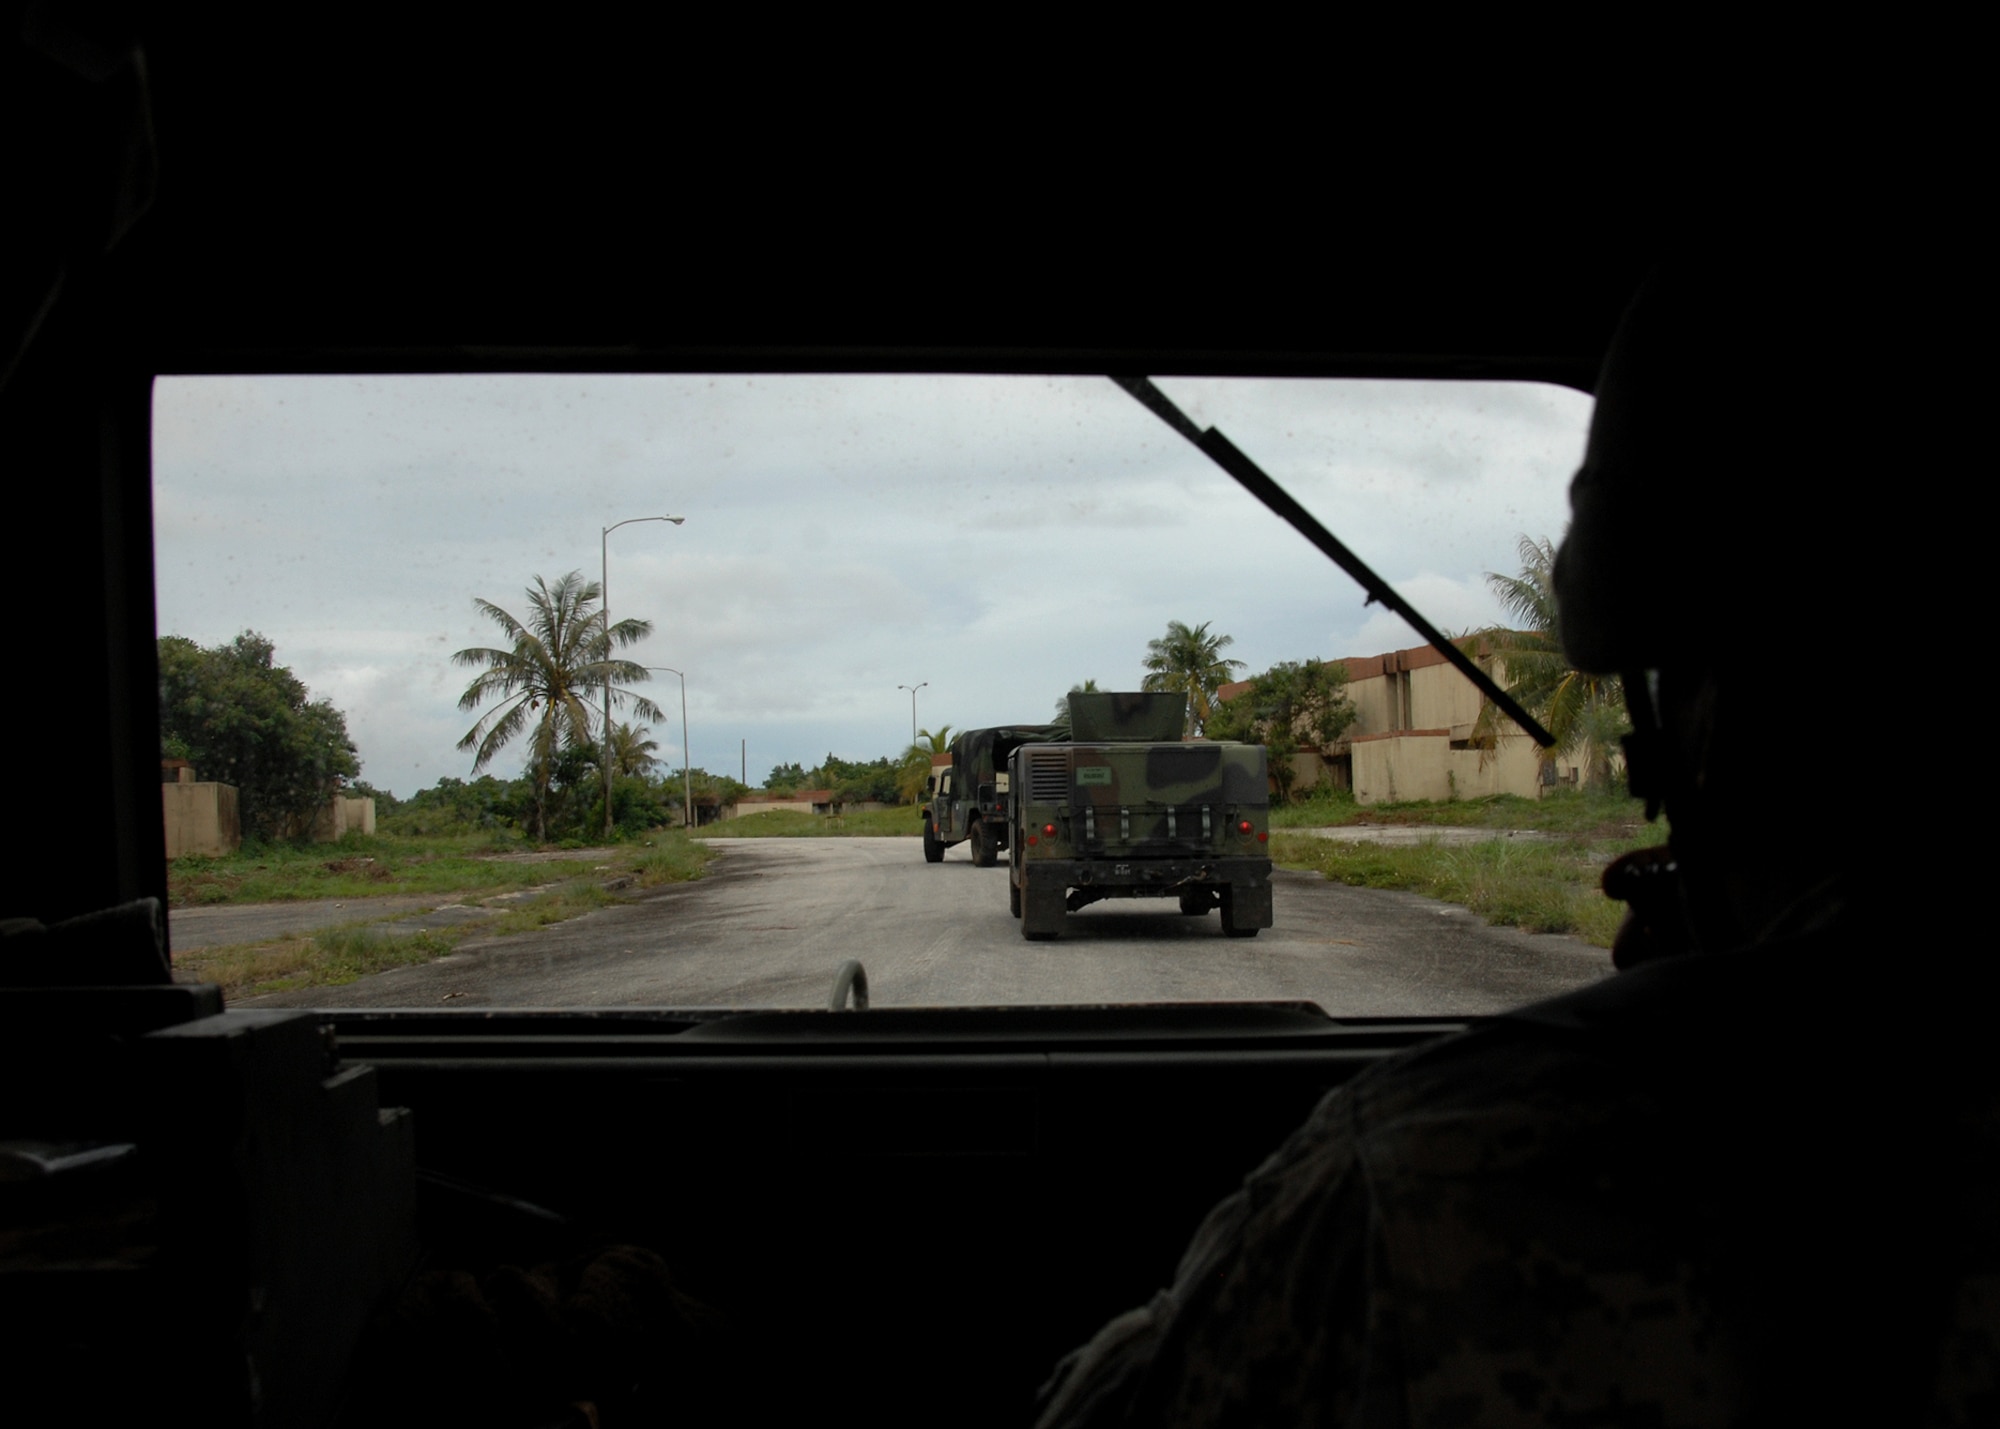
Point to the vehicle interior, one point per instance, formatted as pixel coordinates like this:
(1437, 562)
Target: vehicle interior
(896, 1216)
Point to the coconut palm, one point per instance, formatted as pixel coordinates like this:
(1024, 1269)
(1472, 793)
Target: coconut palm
(1189, 661)
(914, 770)
(631, 752)
(545, 680)
(1585, 713)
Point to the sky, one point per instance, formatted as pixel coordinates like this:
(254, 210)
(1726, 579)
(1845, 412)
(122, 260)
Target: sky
(993, 539)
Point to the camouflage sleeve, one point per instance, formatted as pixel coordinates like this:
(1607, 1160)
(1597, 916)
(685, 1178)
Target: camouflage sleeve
(1278, 1313)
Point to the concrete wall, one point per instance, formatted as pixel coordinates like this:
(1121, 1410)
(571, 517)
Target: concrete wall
(1515, 767)
(343, 815)
(201, 819)
(1396, 768)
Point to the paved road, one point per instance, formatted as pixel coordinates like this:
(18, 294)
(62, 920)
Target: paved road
(775, 918)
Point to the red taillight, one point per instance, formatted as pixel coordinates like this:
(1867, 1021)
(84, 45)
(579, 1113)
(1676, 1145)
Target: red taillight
(1032, 840)
(1049, 829)
(1244, 826)
(1263, 838)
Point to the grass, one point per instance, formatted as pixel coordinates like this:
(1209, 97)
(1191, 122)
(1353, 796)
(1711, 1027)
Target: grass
(1539, 886)
(906, 821)
(371, 867)
(330, 957)
(1607, 814)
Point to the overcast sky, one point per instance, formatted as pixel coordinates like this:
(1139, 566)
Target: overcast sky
(998, 539)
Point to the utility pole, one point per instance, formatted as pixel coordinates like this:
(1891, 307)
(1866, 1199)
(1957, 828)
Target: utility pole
(604, 610)
(913, 707)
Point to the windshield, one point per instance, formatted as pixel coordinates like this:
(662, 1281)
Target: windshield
(812, 585)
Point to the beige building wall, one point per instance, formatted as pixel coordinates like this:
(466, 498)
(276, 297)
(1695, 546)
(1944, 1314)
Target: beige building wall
(343, 815)
(1397, 768)
(1411, 707)
(201, 819)
(1514, 767)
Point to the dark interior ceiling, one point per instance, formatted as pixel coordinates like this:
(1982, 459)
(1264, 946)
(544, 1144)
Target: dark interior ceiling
(407, 199)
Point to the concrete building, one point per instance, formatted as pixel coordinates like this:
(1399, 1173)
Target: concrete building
(1412, 735)
(201, 818)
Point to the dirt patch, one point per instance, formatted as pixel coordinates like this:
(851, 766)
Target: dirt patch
(554, 855)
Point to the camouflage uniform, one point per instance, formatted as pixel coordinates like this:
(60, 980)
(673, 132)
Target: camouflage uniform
(1614, 1208)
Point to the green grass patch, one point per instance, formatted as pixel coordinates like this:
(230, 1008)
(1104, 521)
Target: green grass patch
(330, 957)
(1604, 814)
(557, 905)
(906, 821)
(365, 867)
(1540, 886)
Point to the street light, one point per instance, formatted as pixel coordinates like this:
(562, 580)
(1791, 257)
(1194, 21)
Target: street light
(604, 609)
(913, 708)
(687, 777)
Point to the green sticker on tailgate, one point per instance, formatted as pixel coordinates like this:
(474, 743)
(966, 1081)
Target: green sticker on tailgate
(1094, 774)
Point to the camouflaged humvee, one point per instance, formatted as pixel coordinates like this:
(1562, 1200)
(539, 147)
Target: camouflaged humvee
(1126, 809)
(968, 797)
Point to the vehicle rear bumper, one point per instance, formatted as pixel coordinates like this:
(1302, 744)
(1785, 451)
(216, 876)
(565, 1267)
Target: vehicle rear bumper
(1149, 877)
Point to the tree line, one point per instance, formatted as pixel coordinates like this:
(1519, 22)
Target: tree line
(243, 719)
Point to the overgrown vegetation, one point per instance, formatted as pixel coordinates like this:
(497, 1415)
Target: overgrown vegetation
(1293, 705)
(329, 957)
(1544, 885)
(362, 867)
(1606, 813)
(332, 956)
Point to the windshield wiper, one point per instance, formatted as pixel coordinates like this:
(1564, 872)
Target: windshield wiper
(1224, 453)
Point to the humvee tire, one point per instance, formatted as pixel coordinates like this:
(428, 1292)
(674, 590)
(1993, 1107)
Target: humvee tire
(1196, 905)
(1013, 897)
(1245, 911)
(984, 853)
(933, 850)
(1042, 911)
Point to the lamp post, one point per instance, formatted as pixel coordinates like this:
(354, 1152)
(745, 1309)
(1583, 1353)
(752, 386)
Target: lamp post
(604, 610)
(913, 708)
(687, 776)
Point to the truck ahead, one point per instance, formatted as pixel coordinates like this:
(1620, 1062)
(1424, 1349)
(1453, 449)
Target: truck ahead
(968, 797)
(1126, 809)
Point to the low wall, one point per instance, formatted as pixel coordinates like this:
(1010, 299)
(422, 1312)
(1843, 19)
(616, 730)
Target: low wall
(201, 819)
(343, 815)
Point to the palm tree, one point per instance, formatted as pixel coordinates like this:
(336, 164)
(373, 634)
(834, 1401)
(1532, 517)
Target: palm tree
(1190, 661)
(1585, 713)
(914, 770)
(560, 657)
(631, 751)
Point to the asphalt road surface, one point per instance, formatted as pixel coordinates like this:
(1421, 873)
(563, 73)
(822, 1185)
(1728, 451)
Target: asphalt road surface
(775, 918)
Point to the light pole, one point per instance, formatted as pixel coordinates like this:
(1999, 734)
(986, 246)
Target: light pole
(604, 609)
(687, 776)
(913, 709)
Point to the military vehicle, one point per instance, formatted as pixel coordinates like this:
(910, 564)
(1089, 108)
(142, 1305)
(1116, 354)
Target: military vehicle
(1125, 808)
(968, 802)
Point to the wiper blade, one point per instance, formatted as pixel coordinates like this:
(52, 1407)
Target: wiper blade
(1224, 453)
